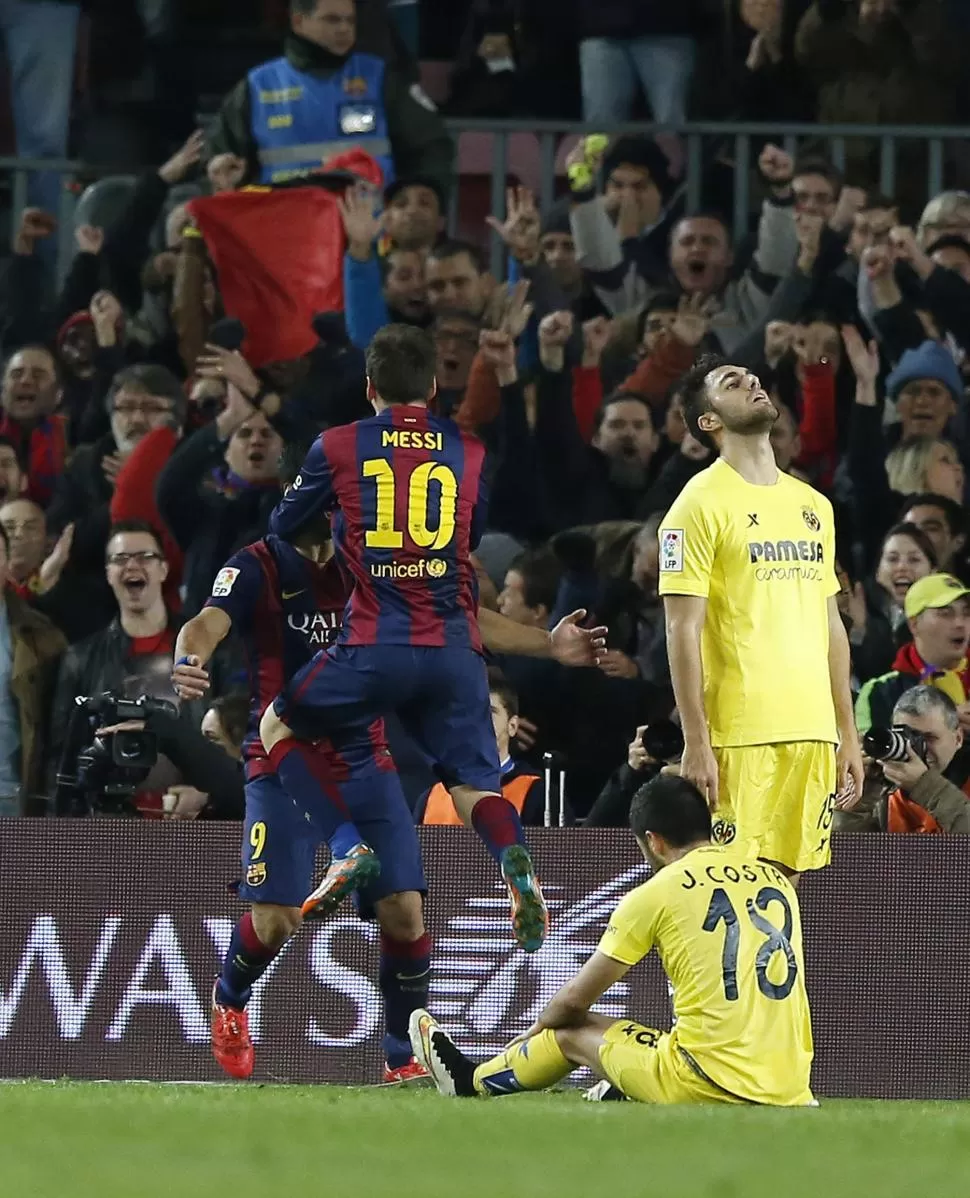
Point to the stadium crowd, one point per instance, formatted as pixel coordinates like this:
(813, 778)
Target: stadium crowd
(146, 399)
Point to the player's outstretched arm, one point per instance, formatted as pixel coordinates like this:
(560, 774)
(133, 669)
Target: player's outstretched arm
(568, 643)
(310, 496)
(196, 642)
(684, 616)
(851, 775)
(570, 1007)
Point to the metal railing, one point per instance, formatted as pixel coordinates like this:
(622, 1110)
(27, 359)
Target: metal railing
(946, 161)
(735, 145)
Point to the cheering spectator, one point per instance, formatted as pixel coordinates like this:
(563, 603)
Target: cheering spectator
(30, 394)
(938, 615)
(141, 398)
(323, 98)
(217, 490)
(30, 647)
(943, 522)
(414, 212)
(379, 290)
(699, 262)
(946, 215)
(457, 279)
(133, 655)
(875, 609)
(627, 228)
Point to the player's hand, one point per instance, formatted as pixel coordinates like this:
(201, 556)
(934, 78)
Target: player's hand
(190, 679)
(699, 765)
(536, 1028)
(850, 774)
(576, 646)
(905, 774)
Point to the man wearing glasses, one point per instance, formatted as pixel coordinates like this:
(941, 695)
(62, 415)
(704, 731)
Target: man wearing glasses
(140, 400)
(133, 655)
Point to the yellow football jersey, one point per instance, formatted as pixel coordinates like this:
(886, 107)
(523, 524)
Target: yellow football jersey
(728, 932)
(764, 558)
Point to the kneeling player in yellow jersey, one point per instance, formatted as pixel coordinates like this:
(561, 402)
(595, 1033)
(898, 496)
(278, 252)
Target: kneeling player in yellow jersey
(728, 931)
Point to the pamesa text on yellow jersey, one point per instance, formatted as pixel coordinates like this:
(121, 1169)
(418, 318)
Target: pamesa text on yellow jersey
(764, 559)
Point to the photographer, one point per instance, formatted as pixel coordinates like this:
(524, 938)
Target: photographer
(928, 791)
(650, 749)
(130, 658)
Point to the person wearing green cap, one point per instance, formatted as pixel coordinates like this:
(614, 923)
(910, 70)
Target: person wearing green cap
(938, 614)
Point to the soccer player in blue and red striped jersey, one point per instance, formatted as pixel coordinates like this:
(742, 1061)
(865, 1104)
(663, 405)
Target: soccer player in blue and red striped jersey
(284, 602)
(407, 495)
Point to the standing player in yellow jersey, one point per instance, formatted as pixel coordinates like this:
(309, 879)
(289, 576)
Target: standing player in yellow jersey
(728, 932)
(759, 657)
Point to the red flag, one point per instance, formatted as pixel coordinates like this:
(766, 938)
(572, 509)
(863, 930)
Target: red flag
(279, 257)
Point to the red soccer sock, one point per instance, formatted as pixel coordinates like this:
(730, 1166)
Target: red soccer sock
(497, 822)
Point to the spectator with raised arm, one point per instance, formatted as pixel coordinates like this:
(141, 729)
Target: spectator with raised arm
(30, 649)
(29, 394)
(215, 493)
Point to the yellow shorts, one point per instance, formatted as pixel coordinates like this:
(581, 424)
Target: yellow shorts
(776, 801)
(648, 1066)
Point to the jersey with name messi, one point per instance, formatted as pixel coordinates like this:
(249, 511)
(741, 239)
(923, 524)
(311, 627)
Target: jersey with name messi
(407, 495)
(729, 935)
(764, 558)
(284, 609)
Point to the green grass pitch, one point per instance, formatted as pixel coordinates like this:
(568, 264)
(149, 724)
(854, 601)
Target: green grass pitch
(74, 1140)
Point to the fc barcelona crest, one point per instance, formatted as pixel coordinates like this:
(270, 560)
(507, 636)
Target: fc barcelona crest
(256, 874)
(356, 85)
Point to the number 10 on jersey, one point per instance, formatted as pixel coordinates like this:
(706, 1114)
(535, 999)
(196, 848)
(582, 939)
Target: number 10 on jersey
(386, 535)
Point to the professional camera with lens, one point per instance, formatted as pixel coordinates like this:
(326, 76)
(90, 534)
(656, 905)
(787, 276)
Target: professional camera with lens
(663, 741)
(102, 772)
(893, 744)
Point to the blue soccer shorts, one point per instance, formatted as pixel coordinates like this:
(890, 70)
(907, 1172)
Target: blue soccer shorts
(280, 842)
(440, 696)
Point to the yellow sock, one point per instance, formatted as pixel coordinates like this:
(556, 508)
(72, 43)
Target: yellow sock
(534, 1065)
